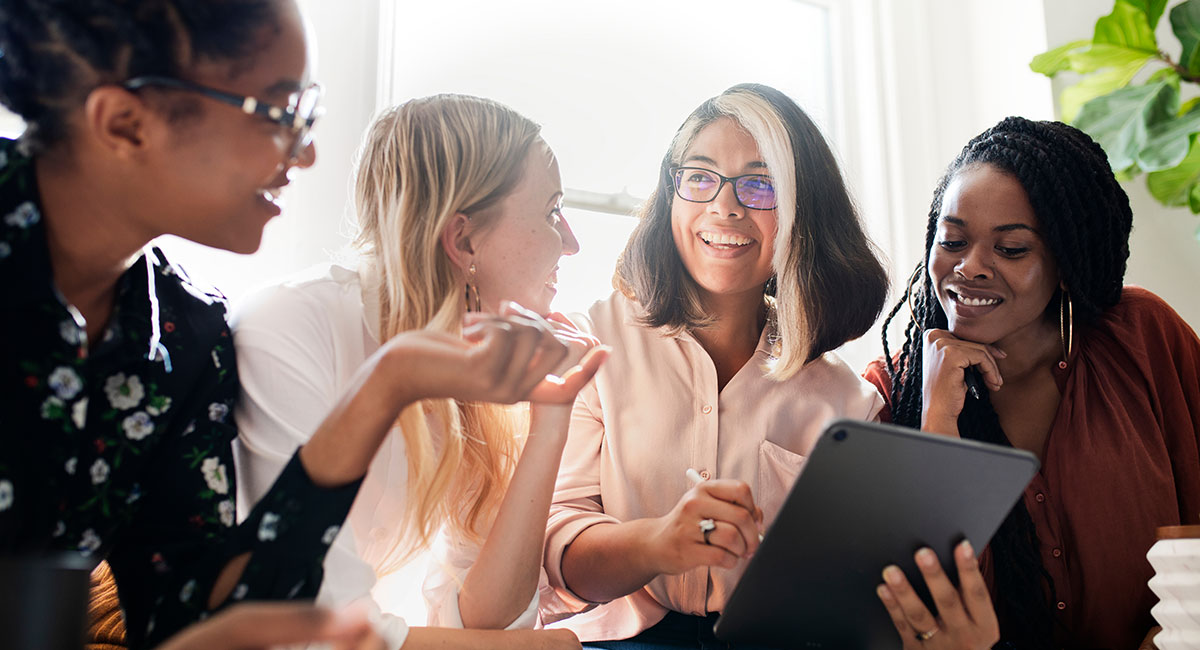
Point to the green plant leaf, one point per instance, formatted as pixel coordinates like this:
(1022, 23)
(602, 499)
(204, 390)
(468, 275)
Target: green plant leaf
(1129, 27)
(1185, 22)
(1104, 55)
(1174, 186)
(1120, 120)
(1189, 105)
(1152, 8)
(1167, 142)
(1169, 75)
(1194, 199)
(1074, 97)
(1052, 62)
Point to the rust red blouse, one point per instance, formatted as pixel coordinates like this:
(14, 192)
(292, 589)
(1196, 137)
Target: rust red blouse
(1122, 459)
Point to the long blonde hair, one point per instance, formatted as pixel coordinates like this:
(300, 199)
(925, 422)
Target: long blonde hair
(423, 162)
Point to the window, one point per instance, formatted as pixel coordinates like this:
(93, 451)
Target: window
(610, 83)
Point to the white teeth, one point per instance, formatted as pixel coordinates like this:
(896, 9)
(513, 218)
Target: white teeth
(271, 194)
(723, 238)
(975, 302)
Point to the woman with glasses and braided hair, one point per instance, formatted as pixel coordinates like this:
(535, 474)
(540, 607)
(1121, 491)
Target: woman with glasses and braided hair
(749, 265)
(118, 374)
(1021, 334)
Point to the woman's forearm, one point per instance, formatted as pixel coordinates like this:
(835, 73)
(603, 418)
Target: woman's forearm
(441, 638)
(504, 578)
(341, 449)
(608, 561)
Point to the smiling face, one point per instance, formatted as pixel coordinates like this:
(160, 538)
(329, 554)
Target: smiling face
(725, 247)
(993, 273)
(219, 182)
(516, 252)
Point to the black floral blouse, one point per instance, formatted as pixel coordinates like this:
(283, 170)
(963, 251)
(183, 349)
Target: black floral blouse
(120, 448)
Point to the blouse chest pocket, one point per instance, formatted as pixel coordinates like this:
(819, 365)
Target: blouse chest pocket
(777, 471)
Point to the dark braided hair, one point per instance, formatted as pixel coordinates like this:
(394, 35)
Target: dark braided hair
(53, 53)
(1084, 217)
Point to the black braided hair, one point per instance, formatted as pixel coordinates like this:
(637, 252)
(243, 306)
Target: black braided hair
(54, 52)
(1084, 217)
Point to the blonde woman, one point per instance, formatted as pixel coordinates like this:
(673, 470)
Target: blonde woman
(748, 267)
(459, 204)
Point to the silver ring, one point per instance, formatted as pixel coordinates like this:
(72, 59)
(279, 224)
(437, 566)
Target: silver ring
(925, 636)
(707, 526)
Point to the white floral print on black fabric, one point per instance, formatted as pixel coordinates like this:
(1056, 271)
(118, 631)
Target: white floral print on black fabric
(140, 448)
(226, 511)
(23, 216)
(65, 382)
(268, 527)
(218, 411)
(79, 413)
(215, 476)
(138, 426)
(89, 543)
(124, 392)
(100, 471)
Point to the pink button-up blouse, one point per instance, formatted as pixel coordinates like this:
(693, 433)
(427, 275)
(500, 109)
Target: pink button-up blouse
(654, 411)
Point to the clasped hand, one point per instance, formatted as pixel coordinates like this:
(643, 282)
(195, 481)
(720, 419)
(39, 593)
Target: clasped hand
(945, 361)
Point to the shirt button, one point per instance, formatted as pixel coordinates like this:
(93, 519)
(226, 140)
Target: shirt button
(706, 409)
(1056, 552)
(1062, 605)
(1039, 497)
(706, 475)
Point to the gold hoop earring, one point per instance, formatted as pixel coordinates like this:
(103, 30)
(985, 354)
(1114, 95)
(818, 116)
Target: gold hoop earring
(471, 291)
(1066, 326)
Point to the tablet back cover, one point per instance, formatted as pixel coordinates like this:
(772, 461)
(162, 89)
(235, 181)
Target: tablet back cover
(870, 495)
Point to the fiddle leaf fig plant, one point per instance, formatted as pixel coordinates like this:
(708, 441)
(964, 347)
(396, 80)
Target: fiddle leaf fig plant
(1144, 125)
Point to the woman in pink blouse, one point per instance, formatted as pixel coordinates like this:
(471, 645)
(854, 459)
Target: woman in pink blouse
(748, 267)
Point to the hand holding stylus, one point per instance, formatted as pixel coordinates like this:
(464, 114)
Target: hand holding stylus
(696, 479)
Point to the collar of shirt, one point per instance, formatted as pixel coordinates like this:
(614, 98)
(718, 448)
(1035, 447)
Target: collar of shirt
(26, 271)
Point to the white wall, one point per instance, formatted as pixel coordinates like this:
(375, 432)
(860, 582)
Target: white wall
(926, 76)
(1164, 252)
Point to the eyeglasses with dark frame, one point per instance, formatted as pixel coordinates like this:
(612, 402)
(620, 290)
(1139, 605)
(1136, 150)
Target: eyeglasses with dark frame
(700, 185)
(298, 116)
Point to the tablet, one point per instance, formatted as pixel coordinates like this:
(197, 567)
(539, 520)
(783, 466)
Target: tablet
(870, 495)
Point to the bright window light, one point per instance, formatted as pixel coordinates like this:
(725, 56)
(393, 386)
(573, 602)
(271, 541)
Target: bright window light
(610, 83)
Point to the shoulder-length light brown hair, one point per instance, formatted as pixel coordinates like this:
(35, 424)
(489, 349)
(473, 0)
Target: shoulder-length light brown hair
(829, 285)
(422, 163)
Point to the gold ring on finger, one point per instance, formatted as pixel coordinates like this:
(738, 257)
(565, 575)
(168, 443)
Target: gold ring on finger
(928, 634)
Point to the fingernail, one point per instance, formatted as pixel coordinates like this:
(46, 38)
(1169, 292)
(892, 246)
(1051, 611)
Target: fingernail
(892, 574)
(926, 558)
(965, 545)
(883, 593)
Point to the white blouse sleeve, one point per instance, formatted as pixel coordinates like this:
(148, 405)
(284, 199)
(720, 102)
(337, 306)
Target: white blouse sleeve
(447, 569)
(285, 360)
(285, 344)
(348, 579)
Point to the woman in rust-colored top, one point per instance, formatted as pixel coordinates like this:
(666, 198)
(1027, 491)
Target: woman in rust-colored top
(1022, 335)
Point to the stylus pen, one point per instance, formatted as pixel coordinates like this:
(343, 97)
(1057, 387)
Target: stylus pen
(696, 479)
(973, 379)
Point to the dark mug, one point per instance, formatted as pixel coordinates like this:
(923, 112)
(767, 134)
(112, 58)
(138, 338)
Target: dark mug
(43, 601)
